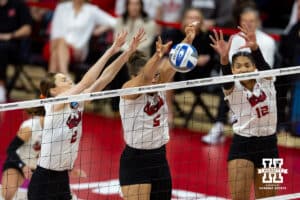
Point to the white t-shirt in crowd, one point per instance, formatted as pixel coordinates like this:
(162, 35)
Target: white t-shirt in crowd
(77, 28)
(266, 44)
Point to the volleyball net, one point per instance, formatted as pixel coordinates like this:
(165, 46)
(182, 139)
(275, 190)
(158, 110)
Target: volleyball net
(198, 170)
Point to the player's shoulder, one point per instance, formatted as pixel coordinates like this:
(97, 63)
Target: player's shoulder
(29, 123)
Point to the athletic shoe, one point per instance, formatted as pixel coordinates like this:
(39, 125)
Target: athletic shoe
(215, 135)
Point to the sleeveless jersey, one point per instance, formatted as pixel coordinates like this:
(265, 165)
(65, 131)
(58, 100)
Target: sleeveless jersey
(61, 136)
(256, 111)
(145, 121)
(30, 150)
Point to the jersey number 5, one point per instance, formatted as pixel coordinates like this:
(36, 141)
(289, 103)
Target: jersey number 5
(156, 121)
(262, 111)
(74, 137)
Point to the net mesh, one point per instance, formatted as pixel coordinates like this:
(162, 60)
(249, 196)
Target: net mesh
(198, 170)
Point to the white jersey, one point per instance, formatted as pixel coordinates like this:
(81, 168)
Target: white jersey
(61, 136)
(256, 111)
(30, 150)
(145, 121)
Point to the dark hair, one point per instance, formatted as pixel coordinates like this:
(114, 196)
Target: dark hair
(240, 7)
(46, 84)
(126, 13)
(135, 62)
(244, 54)
(37, 111)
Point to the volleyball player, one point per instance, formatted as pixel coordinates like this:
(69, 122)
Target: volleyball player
(144, 171)
(254, 104)
(63, 122)
(22, 153)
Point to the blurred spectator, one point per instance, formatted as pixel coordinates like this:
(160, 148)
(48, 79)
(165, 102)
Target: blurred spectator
(216, 12)
(171, 13)
(239, 7)
(151, 7)
(290, 51)
(274, 13)
(201, 43)
(72, 27)
(293, 17)
(172, 10)
(250, 17)
(133, 18)
(15, 23)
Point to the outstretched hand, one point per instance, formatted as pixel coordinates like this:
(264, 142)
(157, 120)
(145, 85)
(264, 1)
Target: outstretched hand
(161, 48)
(119, 41)
(138, 38)
(220, 45)
(190, 32)
(249, 36)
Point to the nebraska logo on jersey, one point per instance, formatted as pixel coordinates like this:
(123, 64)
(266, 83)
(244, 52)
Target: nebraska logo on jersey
(254, 100)
(74, 119)
(154, 106)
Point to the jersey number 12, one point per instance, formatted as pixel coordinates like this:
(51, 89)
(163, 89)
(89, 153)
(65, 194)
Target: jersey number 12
(262, 111)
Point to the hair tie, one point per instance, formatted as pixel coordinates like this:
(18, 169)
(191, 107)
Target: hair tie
(42, 96)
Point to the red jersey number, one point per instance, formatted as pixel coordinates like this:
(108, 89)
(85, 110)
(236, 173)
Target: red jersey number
(74, 137)
(262, 111)
(156, 121)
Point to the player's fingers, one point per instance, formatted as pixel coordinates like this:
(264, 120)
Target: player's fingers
(212, 39)
(242, 29)
(213, 46)
(159, 40)
(221, 35)
(216, 35)
(243, 36)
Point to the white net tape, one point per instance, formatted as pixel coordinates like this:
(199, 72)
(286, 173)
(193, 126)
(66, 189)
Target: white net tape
(152, 88)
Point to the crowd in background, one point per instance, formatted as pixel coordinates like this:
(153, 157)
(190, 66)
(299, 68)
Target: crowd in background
(78, 31)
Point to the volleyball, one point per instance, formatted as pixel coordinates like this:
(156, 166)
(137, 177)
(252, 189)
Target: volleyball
(183, 57)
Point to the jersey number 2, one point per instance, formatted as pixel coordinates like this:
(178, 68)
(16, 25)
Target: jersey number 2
(156, 121)
(262, 111)
(74, 137)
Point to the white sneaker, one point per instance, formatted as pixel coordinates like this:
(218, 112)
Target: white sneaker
(215, 135)
(2, 94)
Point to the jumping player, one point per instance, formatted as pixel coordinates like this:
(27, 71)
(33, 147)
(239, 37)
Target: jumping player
(254, 104)
(144, 171)
(22, 153)
(63, 122)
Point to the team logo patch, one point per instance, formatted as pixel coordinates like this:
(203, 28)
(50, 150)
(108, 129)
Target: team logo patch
(74, 105)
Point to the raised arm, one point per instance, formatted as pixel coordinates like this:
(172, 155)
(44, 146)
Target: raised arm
(251, 42)
(90, 77)
(166, 70)
(111, 71)
(222, 48)
(147, 73)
